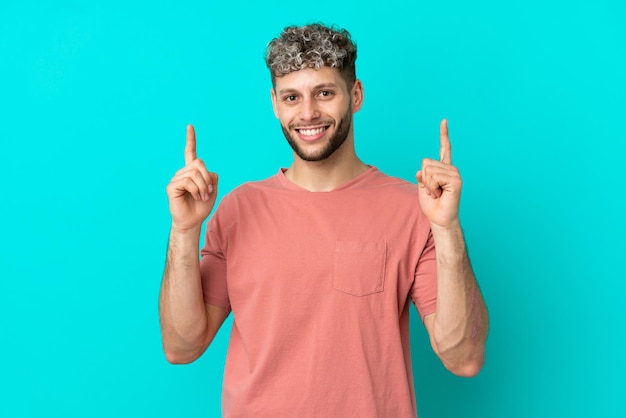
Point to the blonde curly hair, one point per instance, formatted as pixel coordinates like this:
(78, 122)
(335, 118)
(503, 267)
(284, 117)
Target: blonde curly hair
(312, 46)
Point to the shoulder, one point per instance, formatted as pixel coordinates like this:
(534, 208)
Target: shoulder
(250, 190)
(398, 195)
(391, 184)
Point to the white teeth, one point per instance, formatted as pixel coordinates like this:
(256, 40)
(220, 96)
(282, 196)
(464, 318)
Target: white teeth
(311, 132)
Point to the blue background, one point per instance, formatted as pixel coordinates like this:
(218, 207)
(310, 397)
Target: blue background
(95, 97)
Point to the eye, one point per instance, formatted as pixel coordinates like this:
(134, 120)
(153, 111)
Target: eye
(325, 93)
(290, 98)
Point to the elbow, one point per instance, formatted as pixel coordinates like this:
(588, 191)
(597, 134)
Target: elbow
(462, 355)
(174, 358)
(464, 359)
(468, 368)
(180, 356)
(179, 350)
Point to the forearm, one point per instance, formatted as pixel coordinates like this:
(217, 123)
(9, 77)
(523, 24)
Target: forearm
(181, 306)
(461, 321)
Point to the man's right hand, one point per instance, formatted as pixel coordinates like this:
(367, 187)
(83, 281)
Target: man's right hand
(192, 191)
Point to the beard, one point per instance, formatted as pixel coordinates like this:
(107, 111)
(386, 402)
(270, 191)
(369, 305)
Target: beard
(338, 138)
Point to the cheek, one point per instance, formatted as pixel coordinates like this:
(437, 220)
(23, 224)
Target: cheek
(287, 115)
(284, 119)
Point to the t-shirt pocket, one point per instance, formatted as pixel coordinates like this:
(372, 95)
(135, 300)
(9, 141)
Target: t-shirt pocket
(359, 267)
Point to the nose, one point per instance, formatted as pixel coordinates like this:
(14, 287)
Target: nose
(308, 110)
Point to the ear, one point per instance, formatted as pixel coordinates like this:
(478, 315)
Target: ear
(357, 96)
(273, 96)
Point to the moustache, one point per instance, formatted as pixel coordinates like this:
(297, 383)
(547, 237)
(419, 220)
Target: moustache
(328, 122)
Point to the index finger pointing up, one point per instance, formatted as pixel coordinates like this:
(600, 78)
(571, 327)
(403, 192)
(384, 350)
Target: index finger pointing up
(445, 149)
(190, 145)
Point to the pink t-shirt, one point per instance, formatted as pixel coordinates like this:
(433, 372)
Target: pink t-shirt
(320, 286)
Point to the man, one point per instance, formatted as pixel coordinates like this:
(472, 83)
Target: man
(320, 262)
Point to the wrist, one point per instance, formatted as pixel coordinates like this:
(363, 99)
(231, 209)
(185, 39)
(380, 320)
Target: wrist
(450, 243)
(185, 233)
(451, 229)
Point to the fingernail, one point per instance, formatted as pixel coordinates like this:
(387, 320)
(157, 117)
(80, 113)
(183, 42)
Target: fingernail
(210, 188)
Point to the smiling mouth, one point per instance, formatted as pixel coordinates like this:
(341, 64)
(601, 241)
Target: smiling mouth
(311, 131)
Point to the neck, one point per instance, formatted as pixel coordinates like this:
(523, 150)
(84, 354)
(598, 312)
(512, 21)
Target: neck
(326, 175)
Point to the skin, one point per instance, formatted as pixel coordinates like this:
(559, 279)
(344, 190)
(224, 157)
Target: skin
(317, 100)
(312, 99)
(188, 325)
(458, 329)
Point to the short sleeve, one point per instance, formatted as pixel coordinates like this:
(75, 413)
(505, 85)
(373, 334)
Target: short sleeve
(213, 269)
(424, 291)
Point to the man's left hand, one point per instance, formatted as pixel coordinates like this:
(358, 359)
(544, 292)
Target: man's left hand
(440, 184)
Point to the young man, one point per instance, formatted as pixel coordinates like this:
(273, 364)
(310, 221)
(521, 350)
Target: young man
(319, 264)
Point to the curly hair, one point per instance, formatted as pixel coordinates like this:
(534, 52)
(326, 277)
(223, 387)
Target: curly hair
(312, 46)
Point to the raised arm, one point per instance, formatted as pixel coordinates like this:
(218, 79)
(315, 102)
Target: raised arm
(188, 325)
(458, 328)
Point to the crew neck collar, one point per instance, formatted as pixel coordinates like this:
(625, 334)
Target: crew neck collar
(288, 184)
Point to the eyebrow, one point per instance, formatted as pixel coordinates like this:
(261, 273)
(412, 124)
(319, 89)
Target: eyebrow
(316, 87)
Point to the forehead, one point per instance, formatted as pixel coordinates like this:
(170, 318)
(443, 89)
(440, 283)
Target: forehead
(310, 79)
